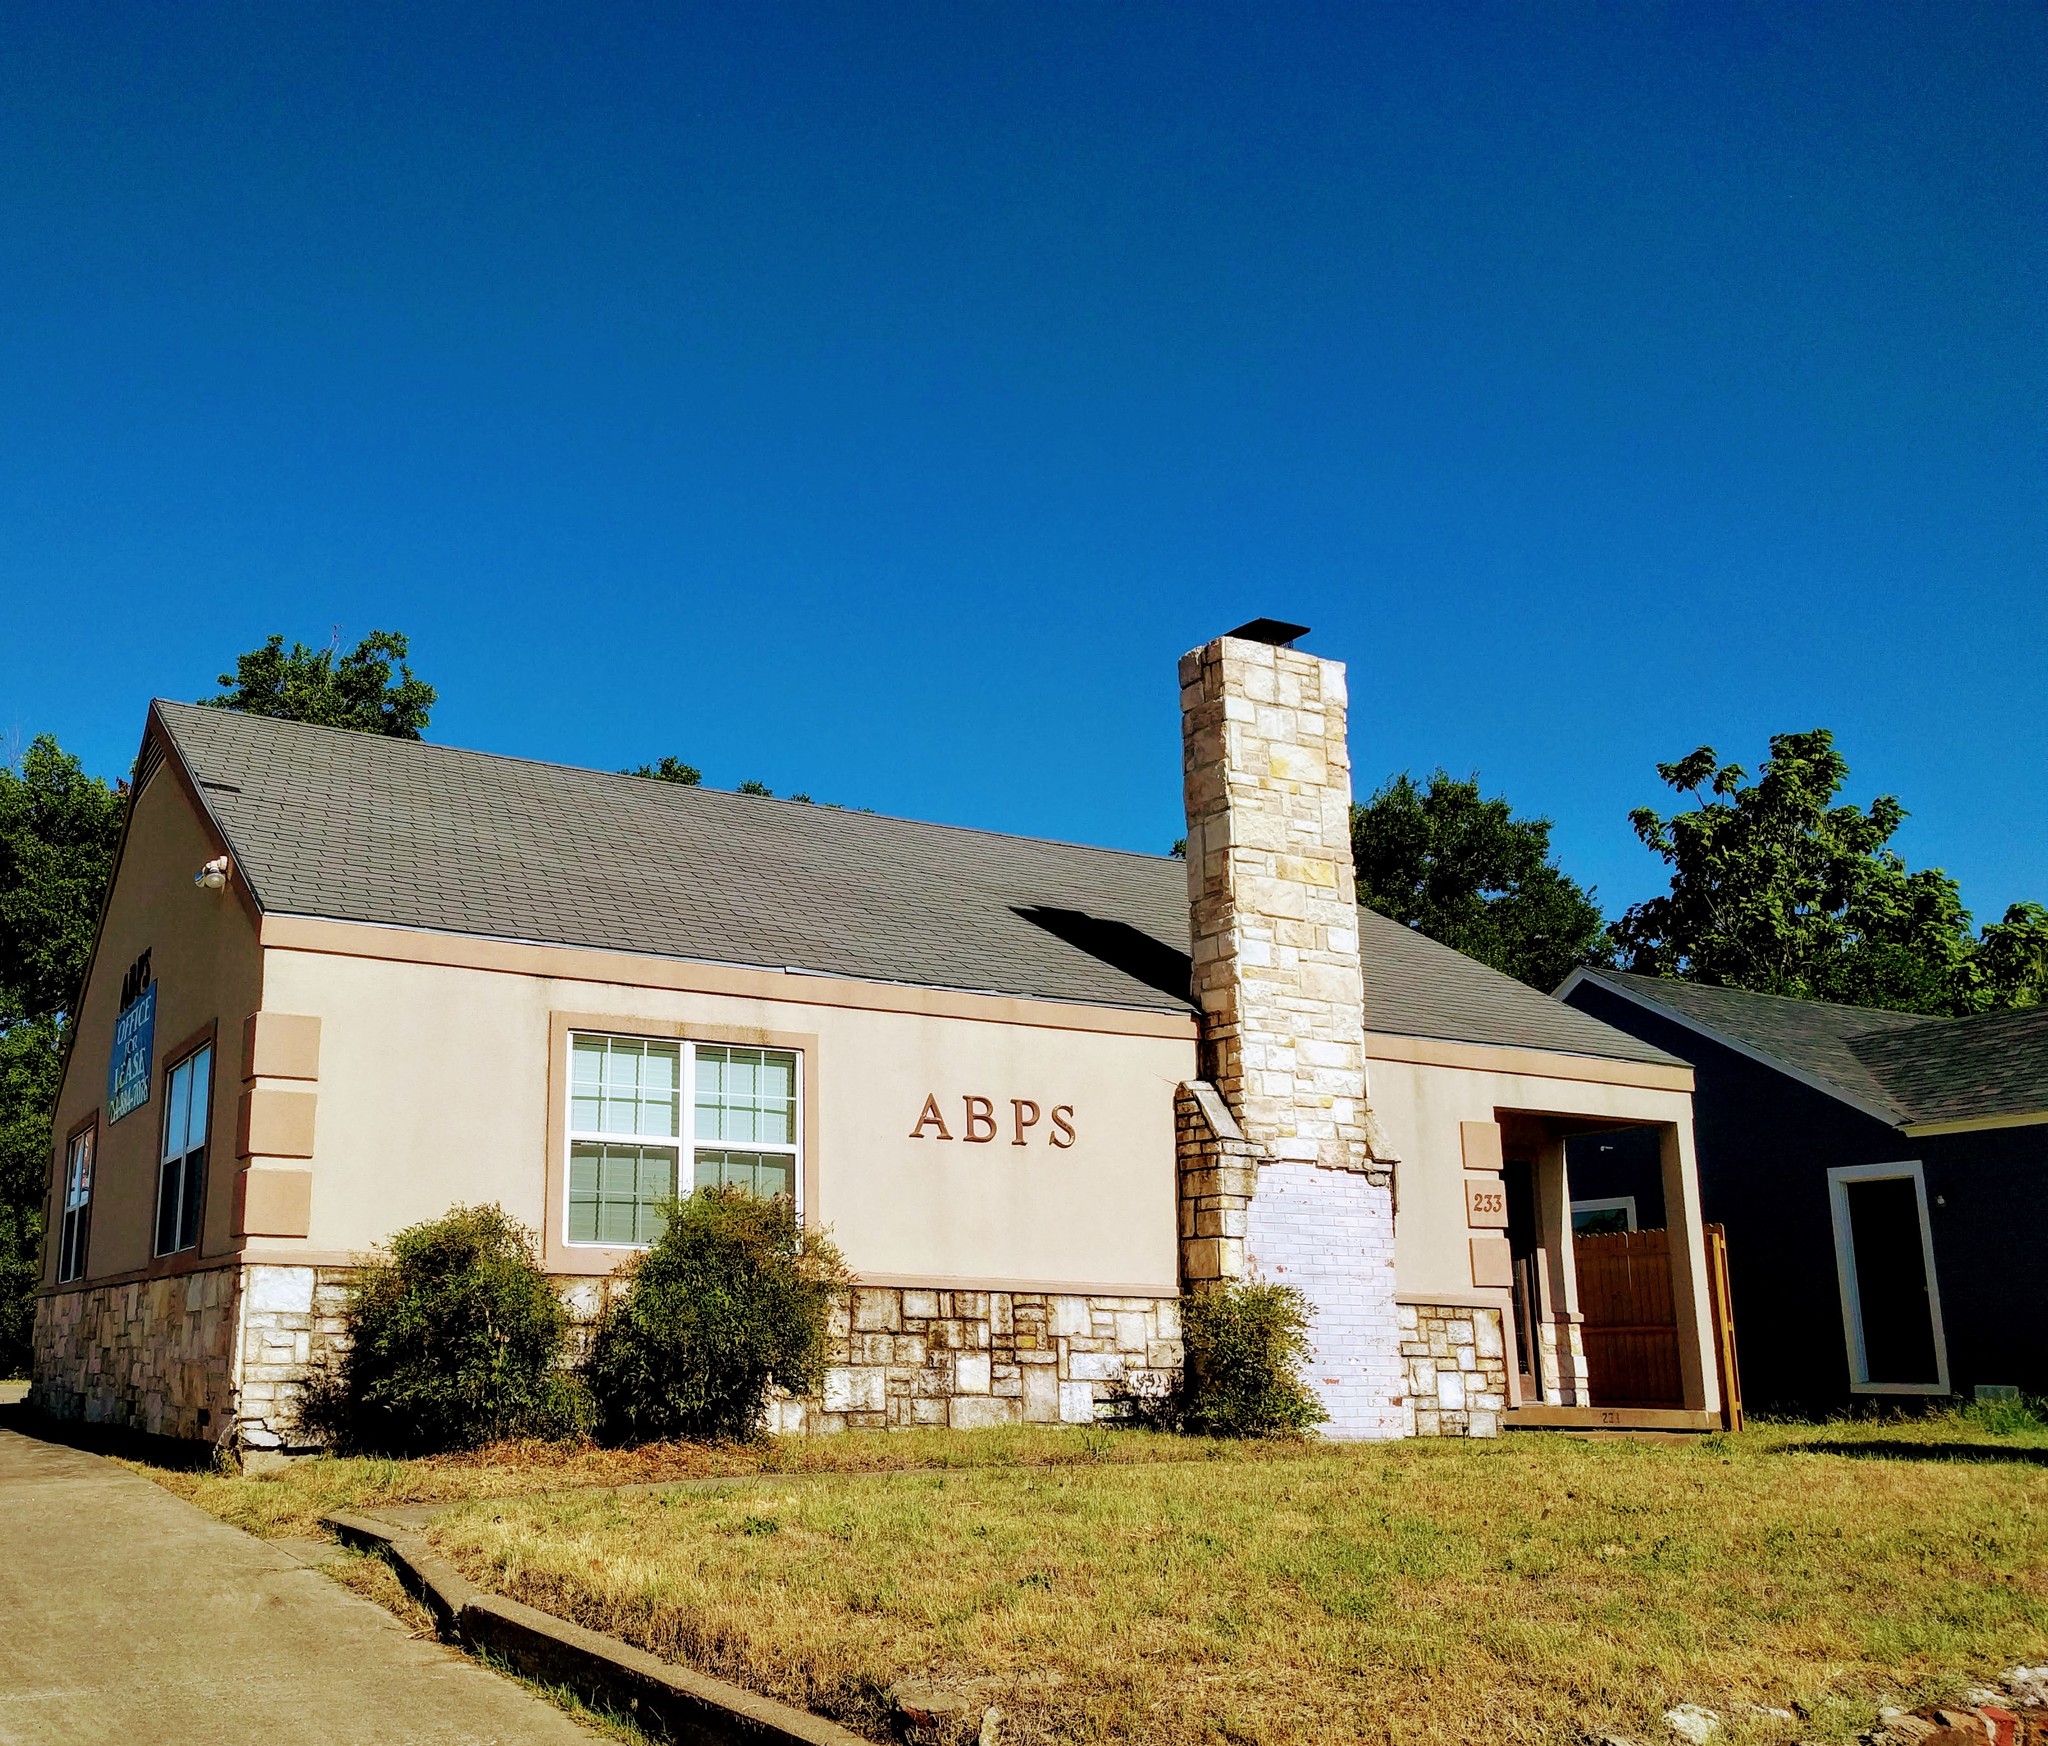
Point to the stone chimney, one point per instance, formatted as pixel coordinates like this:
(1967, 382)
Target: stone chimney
(1283, 1175)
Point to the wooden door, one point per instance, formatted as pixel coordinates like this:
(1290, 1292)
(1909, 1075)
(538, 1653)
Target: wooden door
(1631, 1319)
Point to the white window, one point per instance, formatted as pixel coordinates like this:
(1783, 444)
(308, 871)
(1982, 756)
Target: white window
(1884, 1262)
(640, 1106)
(1599, 1218)
(181, 1170)
(77, 1207)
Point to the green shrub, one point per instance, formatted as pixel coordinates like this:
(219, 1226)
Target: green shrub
(730, 1301)
(456, 1339)
(1246, 1344)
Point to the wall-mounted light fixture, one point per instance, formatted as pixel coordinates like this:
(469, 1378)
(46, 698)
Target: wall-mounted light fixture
(213, 875)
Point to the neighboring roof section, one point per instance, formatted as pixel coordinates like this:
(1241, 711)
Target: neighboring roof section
(357, 827)
(1965, 1070)
(1418, 987)
(1809, 1036)
(1904, 1068)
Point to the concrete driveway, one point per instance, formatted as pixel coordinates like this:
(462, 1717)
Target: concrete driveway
(129, 1618)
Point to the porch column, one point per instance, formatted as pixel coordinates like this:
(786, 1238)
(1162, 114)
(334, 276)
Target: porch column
(1565, 1345)
(1687, 1236)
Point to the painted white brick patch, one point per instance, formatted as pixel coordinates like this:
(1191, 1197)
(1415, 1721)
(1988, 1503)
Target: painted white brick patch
(281, 1290)
(1331, 1233)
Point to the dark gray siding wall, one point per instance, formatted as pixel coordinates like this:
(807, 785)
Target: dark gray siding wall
(1766, 1143)
(1987, 1199)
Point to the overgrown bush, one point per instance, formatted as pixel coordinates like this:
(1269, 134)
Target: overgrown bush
(1246, 1343)
(455, 1339)
(731, 1301)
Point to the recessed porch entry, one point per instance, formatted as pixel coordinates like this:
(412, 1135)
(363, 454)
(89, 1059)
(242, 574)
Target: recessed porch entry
(1594, 1272)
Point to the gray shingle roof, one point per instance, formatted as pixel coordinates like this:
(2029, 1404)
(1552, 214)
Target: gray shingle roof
(1905, 1067)
(1809, 1035)
(357, 827)
(1418, 987)
(1964, 1069)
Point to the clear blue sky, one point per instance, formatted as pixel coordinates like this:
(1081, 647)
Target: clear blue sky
(877, 399)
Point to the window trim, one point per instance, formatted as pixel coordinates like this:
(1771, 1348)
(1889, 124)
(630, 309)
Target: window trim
(89, 1131)
(204, 1045)
(688, 1039)
(1840, 1177)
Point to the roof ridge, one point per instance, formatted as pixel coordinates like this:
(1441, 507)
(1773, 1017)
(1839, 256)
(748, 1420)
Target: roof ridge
(441, 746)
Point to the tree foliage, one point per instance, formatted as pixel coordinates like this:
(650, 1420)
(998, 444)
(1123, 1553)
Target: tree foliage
(31, 1057)
(58, 828)
(669, 770)
(731, 1301)
(331, 689)
(1466, 870)
(455, 1339)
(1779, 887)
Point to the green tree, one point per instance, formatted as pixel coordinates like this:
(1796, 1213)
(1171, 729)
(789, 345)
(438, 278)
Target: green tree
(331, 689)
(1466, 870)
(58, 828)
(1780, 888)
(669, 770)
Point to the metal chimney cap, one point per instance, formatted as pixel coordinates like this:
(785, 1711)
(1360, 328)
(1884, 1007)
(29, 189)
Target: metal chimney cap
(1276, 631)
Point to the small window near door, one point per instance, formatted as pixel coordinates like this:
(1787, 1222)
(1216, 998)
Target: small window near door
(181, 1171)
(1884, 1259)
(77, 1207)
(1601, 1218)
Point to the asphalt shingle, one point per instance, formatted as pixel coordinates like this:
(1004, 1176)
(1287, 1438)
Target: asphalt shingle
(357, 827)
(1907, 1067)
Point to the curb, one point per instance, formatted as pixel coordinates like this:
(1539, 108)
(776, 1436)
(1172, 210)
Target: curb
(685, 1706)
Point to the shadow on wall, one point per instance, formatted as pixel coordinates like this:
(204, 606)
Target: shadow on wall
(1119, 945)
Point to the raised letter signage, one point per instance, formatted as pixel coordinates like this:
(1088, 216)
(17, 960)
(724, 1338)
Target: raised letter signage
(980, 1124)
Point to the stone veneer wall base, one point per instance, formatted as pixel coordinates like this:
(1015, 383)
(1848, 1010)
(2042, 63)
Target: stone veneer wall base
(1456, 1367)
(220, 1356)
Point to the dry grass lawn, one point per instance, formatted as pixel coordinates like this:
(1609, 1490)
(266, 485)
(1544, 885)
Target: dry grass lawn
(1536, 1588)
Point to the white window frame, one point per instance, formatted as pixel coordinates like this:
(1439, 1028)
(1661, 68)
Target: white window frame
(1839, 1178)
(685, 1141)
(1621, 1203)
(204, 1150)
(74, 1202)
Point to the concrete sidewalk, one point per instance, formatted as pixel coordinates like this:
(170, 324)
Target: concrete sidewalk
(129, 1618)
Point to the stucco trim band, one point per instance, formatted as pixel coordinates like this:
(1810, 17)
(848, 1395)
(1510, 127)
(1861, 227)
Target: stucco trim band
(299, 933)
(1052, 1287)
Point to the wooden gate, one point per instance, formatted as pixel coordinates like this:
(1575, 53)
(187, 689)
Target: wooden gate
(1631, 1325)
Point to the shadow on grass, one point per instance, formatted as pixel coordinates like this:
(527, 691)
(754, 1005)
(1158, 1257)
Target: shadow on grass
(2024, 1455)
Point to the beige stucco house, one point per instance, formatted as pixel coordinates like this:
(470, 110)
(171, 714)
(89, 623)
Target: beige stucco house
(1034, 1090)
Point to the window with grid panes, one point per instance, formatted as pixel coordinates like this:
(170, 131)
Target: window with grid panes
(181, 1171)
(639, 1106)
(77, 1207)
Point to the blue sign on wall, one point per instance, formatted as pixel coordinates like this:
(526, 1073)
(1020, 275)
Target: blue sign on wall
(128, 1067)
